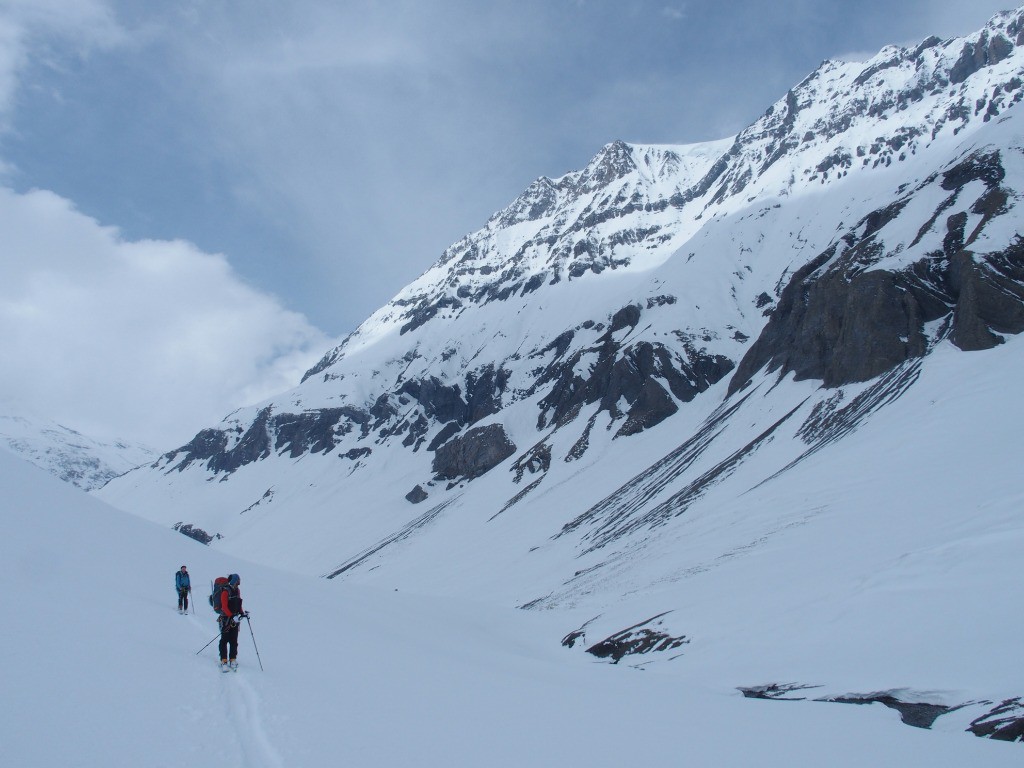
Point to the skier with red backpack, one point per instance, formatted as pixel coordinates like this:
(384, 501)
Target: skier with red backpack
(227, 602)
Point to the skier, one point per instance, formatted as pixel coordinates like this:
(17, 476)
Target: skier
(230, 615)
(184, 585)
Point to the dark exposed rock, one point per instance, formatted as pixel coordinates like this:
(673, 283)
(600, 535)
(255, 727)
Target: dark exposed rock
(954, 239)
(254, 445)
(986, 51)
(463, 405)
(570, 640)
(326, 361)
(577, 635)
(440, 402)
(916, 714)
(626, 372)
(839, 329)
(929, 42)
(990, 297)
(1004, 723)
(537, 459)
(310, 431)
(660, 301)
(483, 392)
(427, 310)
(418, 429)
(194, 532)
(628, 316)
(320, 430)
(416, 495)
(448, 431)
(382, 411)
(580, 446)
(986, 167)
(205, 445)
(472, 454)
(651, 406)
(315, 431)
(776, 691)
(614, 161)
(840, 322)
(537, 201)
(638, 639)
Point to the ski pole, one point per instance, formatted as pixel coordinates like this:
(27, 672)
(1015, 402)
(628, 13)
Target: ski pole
(249, 622)
(208, 644)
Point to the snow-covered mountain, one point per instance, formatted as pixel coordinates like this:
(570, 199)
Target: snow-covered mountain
(70, 455)
(688, 377)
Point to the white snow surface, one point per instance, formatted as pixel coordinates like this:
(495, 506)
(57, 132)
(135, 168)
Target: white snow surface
(66, 453)
(99, 669)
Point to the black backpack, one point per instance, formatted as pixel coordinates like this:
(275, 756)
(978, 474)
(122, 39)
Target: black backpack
(219, 585)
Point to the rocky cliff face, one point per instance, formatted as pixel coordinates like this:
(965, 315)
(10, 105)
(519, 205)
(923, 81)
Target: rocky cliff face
(842, 319)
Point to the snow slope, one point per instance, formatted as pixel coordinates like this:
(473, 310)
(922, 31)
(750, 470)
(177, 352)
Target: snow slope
(100, 670)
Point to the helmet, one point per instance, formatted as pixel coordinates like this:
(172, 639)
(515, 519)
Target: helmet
(234, 580)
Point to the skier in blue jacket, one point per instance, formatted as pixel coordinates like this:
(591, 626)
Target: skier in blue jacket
(184, 585)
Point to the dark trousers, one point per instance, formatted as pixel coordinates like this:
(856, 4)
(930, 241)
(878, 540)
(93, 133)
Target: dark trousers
(183, 599)
(228, 637)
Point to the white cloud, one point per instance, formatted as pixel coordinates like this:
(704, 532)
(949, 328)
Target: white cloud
(81, 26)
(148, 340)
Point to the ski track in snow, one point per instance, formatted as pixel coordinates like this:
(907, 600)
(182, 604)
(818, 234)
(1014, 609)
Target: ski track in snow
(241, 704)
(244, 710)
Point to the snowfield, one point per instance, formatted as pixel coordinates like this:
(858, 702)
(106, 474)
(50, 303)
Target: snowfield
(892, 586)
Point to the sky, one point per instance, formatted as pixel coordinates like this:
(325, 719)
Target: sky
(198, 199)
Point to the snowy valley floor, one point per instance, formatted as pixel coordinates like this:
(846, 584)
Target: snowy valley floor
(99, 669)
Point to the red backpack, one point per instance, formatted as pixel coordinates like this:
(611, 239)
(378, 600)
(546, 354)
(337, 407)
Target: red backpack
(219, 585)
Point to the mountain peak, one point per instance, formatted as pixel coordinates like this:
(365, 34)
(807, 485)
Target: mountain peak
(613, 162)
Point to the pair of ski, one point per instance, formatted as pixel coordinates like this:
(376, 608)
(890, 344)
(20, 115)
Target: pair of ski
(230, 667)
